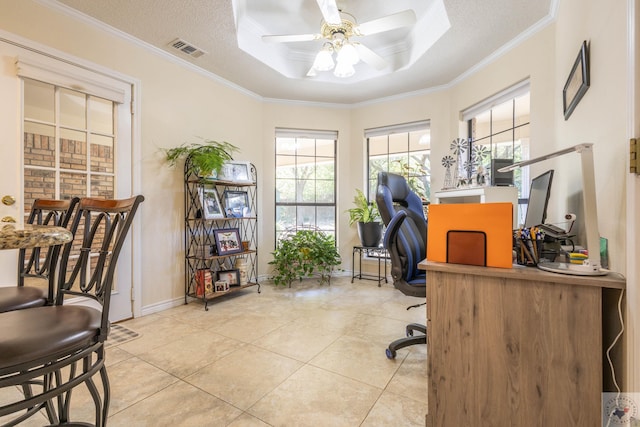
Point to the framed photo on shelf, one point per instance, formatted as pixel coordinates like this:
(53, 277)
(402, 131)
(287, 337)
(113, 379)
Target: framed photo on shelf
(236, 204)
(221, 286)
(228, 241)
(232, 277)
(236, 172)
(577, 82)
(211, 207)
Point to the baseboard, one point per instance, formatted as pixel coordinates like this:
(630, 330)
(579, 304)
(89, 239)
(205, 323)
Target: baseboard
(161, 306)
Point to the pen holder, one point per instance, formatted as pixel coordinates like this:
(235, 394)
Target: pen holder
(525, 252)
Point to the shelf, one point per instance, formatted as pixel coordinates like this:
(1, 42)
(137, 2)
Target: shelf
(220, 182)
(251, 251)
(226, 218)
(201, 234)
(232, 290)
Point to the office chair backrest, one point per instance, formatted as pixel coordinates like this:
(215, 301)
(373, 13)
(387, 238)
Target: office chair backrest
(406, 235)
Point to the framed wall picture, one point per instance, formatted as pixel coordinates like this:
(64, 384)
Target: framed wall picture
(211, 207)
(232, 277)
(236, 204)
(228, 241)
(236, 172)
(577, 82)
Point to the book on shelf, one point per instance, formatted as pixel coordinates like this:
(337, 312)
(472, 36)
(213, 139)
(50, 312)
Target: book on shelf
(204, 282)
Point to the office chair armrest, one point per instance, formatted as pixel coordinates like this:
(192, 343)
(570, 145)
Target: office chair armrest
(390, 237)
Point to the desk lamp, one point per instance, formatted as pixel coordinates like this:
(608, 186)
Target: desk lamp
(591, 265)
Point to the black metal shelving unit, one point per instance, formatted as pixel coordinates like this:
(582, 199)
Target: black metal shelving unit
(199, 234)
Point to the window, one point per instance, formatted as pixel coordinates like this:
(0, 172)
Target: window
(305, 181)
(499, 128)
(404, 149)
(68, 144)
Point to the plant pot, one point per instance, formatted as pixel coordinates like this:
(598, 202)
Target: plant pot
(370, 233)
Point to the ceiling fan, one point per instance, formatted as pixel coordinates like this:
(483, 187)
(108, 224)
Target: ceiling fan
(338, 27)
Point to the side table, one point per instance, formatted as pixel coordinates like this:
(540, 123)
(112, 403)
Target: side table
(373, 252)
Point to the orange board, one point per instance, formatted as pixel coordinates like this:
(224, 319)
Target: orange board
(493, 219)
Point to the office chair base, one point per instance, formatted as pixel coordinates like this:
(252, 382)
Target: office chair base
(409, 340)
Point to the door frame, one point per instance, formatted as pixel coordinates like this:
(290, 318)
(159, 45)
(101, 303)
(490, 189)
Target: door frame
(136, 148)
(633, 204)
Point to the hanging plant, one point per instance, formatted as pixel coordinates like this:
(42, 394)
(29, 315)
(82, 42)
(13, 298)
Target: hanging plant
(205, 158)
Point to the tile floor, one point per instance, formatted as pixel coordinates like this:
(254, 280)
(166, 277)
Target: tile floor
(312, 355)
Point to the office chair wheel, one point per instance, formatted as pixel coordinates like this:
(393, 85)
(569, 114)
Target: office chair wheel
(391, 354)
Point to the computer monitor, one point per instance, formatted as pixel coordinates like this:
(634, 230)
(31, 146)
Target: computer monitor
(538, 199)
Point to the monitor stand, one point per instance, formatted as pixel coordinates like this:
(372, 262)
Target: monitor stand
(573, 269)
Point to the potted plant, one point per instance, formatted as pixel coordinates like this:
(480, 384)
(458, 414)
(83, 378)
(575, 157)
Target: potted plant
(303, 254)
(205, 159)
(367, 217)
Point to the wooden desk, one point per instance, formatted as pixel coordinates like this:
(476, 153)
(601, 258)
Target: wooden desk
(32, 236)
(514, 346)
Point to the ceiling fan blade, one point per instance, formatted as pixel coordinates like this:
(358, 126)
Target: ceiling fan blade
(387, 23)
(291, 38)
(370, 57)
(330, 11)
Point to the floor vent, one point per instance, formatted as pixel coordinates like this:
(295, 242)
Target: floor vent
(187, 48)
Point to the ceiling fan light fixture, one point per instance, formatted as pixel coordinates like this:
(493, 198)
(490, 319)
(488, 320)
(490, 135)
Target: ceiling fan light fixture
(344, 70)
(348, 54)
(324, 60)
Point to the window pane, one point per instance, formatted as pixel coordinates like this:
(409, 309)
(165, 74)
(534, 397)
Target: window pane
(306, 147)
(502, 117)
(481, 125)
(39, 145)
(72, 184)
(325, 219)
(285, 190)
(73, 150)
(39, 101)
(325, 148)
(38, 184)
(325, 170)
(73, 109)
(306, 216)
(420, 140)
(102, 186)
(398, 143)
(286, 146)
(378, 145)
(306, 191)
(101, 115)
(101, 153)
(325, 191)
(285, 167)
(306, 167)
(285, 217)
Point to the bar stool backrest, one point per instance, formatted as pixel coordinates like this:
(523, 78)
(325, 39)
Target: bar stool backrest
(87, 264)
(41, 262)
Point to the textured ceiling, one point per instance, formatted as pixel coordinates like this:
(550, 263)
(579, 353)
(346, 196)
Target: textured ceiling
(478, 30)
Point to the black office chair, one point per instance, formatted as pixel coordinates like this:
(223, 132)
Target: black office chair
(38, 263)
(406, 240)
(60, 347)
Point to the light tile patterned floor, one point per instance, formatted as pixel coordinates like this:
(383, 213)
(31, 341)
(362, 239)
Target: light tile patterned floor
(312, 355)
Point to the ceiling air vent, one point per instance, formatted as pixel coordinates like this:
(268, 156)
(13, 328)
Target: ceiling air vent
(187, 48)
